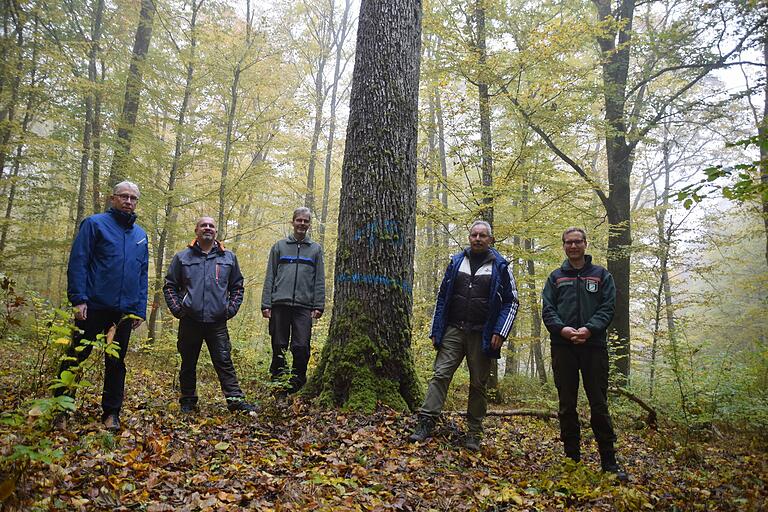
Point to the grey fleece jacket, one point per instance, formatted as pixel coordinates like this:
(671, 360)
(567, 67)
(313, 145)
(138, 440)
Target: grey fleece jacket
(295, 275)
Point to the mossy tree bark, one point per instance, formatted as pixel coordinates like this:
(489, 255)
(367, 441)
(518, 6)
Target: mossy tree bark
(367, 358)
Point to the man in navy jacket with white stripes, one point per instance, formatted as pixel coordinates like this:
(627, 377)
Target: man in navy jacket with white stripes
(476, 306)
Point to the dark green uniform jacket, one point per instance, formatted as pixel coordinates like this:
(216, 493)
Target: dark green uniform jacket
(577, 298)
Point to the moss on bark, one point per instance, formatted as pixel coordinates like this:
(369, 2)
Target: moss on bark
(357, 374)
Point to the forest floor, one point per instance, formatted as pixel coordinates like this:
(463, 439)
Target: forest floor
(293, 456)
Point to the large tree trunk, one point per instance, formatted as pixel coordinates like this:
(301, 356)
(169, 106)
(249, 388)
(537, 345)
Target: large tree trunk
(133, 87)
(170, 198)
(616, 53)
(339, 38)
(367, 358)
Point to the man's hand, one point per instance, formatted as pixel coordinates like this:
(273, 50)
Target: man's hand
(496, 341)
(582, 335)
(316, 313)
(434, 343)
(568, 333)
(136, 323)
(266, 313)
(81, 311)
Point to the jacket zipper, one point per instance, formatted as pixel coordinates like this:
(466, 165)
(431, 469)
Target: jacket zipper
(578, 298)
(296, 274)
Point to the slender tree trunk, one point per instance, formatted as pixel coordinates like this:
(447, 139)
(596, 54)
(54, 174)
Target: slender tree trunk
(133, 88)
(93, 77)
(9, 113)
(762, 132)
(533, 297)
(309, 200)
(85, 156)
(486, 142)
(170, 201)
(28, 109)
(231, 112)
(367, 357)
(486, 149)
(443, 159)
(340, 37)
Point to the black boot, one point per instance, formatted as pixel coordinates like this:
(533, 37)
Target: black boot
(609, 465)
(573, 451)
(423, 429)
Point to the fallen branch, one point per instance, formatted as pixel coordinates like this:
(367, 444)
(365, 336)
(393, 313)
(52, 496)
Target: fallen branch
(537, 413)
(652, 419)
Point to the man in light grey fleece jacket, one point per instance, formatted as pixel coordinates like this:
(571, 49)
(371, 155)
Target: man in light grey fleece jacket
(294, 295)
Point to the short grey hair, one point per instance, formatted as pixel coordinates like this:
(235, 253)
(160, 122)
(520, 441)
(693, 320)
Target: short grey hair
(482, 223)
(575, 229)
(126, 184)
(302, 210)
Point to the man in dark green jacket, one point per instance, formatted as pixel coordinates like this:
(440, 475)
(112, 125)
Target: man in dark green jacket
(578, 304)
(293, 295)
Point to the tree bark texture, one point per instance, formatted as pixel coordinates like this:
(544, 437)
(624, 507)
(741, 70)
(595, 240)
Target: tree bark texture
(9, 110)
(367, 358)
(93, 78)
(486, 143)
(170, 198)
(31, 103)
(133, 87)
(616, 52)
(340, 37)
(762, 132)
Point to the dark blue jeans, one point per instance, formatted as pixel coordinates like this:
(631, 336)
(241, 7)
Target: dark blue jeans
(215, 334)
(99, 322)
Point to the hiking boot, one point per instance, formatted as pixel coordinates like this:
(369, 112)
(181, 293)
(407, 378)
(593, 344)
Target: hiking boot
(187, 408)
(112, 423)
(575, 456)
(609, 465)
(423, 430)
(60, 422)
(472, 443)
(241, 406)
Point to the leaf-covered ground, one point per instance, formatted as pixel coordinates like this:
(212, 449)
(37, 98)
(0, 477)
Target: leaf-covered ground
(292, 456)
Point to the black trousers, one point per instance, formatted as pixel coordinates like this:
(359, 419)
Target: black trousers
(99, 322)
(215, 334)
(290, 326)
(592, 362)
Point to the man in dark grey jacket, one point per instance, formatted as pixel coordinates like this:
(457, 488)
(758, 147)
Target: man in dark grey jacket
(294, 295)
(204, 289)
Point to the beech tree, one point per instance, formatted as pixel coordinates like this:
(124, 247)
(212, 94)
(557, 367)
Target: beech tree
(367, 357)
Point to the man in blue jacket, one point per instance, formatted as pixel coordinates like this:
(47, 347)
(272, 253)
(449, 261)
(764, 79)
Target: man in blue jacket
(106, 281)
(204, 289)
(578, 303)
(476, 306)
